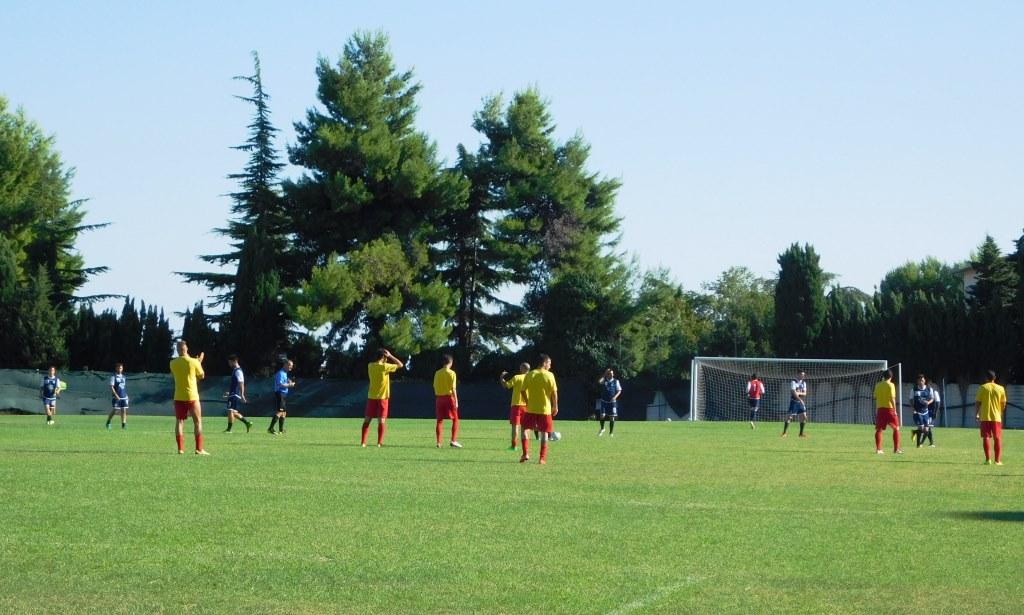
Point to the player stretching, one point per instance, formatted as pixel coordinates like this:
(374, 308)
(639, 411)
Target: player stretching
(119, 402)
(379, 393)
(797, 404)
(885, 414)
(236, 395)
(755, 389)
(282, 384)
(186, 371)
(989, 405)
(541, 407)
(446, 401)
(610, 391)
(921, 400)
(515, 413)
(49, 391)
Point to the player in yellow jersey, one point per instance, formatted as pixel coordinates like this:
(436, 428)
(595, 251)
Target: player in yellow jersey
(187, 371)
(885, 414)
(518, 407)
(989, 406)
(379, 393)
(446, 400)
(541, 407)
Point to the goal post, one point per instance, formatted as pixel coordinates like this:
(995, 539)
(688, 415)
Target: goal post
(838, 390)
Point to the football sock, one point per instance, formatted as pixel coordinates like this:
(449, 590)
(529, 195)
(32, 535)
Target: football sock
(544, 450)
(999, 448)
(199, 441)
(380, 432)
(455, 429)
(181, 441)
(245, 420)
(602, 423)
(611, 426)
(802, 423)
(930, 439)
(108, 422)
(280, 424)
(124, 424)
(273, 421)
(230, 425)
(878, 440)
(437, 430)
(785, 427)
(895, 439)
(526, 446)
(987, 446)
(752, 415)
(366, 428)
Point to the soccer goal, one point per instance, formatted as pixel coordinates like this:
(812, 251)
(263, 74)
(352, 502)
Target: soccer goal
(838, 390)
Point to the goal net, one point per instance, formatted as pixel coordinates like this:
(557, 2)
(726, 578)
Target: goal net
(838, 391)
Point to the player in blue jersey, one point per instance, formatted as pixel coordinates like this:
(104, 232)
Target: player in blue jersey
(119, 396)
(282, 384)
(611, 389)
(933, 412)
(921, 401)
(236, 395)
(797, 404)
(49, 391)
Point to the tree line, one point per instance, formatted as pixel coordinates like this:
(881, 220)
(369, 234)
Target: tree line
(376, 241)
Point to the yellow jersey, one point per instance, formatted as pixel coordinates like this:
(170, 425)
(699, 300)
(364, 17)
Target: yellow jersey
(518, 393)
(993, 400)
(444, 382)
(185, 371)
(885, 393)
(380, 380)
(539, 384)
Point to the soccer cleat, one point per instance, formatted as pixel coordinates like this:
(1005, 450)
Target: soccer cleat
(202, 453)
(363, 445)
(931, 446)
(228, 431)
(379, 445)
(611, 435)
(181, 451)
(999, 463)
(248, 426)
(879, 452)
(601, 433)
(271, 431)
(752, 426)
(784, 435)
(988, 462)
(524, 459)
(124, 425)
(898, 451)
(109, 427)
(512, 448)
(803, 435)
(543, 462)
(455, 444)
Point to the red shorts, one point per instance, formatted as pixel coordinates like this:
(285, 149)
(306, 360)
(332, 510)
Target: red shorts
(515, 415)
(445, 408)
(991, 429)
(886, 417)
(183, 408)
(376, 409)
(538, 422)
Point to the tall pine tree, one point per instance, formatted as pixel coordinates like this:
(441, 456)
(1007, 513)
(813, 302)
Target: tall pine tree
(799, 302)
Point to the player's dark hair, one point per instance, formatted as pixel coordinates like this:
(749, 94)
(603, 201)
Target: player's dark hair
(991, 375)
(446, 359)
(232, 357)
(282, 362)
(887, 374)
(381, 353)
(117, 365)
(921, 377)
(541, 358)
(753, 376)
(526, 365)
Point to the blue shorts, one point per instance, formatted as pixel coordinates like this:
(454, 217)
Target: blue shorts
(609, 408)
(796, 407)
(49, 401)
(234, 402)
(755, 404)
(118, 403)
(922, 419)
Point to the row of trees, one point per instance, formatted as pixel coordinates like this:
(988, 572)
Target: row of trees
(376, 241)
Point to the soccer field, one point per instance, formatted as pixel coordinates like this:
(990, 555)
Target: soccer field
(663, 518)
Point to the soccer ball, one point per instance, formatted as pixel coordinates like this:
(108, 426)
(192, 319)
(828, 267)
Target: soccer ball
(669, 419)
(555, 436)
(63, 386)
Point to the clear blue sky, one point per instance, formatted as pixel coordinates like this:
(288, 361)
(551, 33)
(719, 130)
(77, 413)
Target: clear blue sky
(879, 132)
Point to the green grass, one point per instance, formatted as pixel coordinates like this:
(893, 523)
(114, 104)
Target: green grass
(664, 518)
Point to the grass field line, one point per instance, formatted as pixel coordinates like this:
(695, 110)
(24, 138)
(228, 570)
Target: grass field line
(656, 595)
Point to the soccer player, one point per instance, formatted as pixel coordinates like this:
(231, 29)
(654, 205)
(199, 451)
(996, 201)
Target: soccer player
(518, 407)
(446, 401)
(885, 415)
(379, 393)
(49, 391)
(541, 407)
(989, 405)
(236, 395)
(282, 384)
(755, 389)
(186, 371)
(921, 400)
(933, 412)
(119, 401)
(797, 404)
(610, 391)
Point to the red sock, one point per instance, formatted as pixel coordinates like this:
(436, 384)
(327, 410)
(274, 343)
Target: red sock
(513, 442)
(878, 440)
(544, 450)
(366, 428)
(999, 448)
(199, 441)
(985, 444)
(180, 438)
(896, 439)
(380, 433)
(455, 429)
(437, 431)
(526, 446)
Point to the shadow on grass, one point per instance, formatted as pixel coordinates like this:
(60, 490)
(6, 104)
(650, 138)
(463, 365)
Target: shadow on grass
(465, 460)
(990, 515)
(93, 452)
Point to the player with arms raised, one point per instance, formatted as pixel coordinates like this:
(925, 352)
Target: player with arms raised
(187, 371)
(518, 406)
(379, 393)
(755, 390)
(797, 404)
